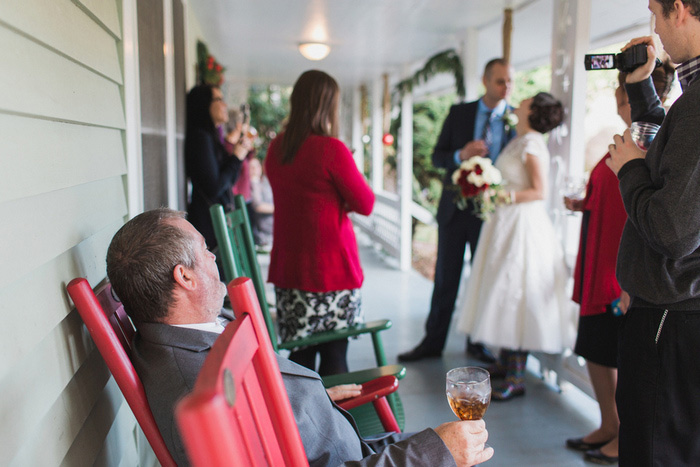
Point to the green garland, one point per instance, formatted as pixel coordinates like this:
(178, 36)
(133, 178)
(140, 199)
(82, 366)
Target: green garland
(444, 62)
(209, 71)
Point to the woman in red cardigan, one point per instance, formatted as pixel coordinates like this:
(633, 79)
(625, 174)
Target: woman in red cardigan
(595, 287)
(314, 262)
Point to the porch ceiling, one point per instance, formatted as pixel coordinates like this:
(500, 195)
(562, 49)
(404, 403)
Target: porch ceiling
(257, 39)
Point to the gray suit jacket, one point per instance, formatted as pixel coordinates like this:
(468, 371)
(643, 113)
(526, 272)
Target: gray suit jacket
(168, 360)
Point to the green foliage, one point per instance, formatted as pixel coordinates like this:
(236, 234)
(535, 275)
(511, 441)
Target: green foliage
(209, 71)
(447, 61)
(269, 106)
(527, 83)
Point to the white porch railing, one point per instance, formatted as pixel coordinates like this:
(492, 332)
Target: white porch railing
(567, 368)
(384, 224)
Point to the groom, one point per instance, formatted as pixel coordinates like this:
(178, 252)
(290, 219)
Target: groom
(472, 129)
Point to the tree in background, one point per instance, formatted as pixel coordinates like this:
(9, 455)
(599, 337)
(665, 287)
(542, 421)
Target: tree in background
(269, 106)
(527, 83)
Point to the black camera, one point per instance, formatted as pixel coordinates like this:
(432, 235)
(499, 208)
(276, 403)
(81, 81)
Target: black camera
(626, 61)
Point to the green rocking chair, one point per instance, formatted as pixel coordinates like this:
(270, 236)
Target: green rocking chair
(237, 253)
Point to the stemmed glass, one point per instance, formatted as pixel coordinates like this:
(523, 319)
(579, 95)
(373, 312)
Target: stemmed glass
(574, 188)
(468, 391)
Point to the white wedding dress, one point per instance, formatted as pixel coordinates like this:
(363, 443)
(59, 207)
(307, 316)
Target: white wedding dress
(516, 296)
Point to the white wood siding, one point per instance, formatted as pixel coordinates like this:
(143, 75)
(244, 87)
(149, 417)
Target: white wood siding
(62, 197)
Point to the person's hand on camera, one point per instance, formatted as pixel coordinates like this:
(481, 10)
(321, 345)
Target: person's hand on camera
(473, 148)
(234, 136)
(644, 71)
(465, 440)
(242, 147)
(573, 204)
(622, 151)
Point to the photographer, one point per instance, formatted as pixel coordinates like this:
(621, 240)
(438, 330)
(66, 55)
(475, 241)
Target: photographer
(659, 255)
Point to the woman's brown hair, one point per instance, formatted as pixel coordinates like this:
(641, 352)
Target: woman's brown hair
(314, 111)
(546, 112)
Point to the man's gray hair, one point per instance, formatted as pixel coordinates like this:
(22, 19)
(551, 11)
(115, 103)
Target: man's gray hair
(141, 260)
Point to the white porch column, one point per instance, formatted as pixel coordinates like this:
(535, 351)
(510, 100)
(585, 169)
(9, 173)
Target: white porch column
(405, 172)
(356, 137)
(570, 41)
(170, 130)
(469, 53)
(377, 148)
(132, 109)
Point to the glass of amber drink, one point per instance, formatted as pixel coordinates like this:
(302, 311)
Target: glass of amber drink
(468, 392)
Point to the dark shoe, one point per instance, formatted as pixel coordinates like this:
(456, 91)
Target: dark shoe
(419, 353)
(579, 444)
(507, 392)
(598, 457)
(480, 352)
(496, 371)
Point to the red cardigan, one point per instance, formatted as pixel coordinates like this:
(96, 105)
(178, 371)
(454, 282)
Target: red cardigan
(595, 285)
(314, 247)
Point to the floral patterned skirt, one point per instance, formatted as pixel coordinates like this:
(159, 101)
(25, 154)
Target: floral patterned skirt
(301, 313)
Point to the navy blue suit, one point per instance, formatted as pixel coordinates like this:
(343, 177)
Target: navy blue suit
(456, 227)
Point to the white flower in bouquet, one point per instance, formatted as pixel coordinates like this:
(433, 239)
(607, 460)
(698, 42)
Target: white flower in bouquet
(478, 180)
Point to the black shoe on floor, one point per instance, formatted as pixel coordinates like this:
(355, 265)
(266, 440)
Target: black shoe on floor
(480, 352)
(419, 353)
(598, 457)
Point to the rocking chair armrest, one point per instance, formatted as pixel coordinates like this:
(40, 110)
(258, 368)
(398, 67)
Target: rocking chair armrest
(371, 391)
(337, 334)
(363, 376)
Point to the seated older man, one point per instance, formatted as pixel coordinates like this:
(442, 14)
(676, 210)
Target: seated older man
(160, 267)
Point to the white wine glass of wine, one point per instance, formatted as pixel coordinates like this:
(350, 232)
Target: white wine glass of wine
(468, 392)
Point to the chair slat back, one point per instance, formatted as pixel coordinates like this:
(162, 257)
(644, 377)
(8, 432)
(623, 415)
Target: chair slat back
(237, 253)
(112, 332)
(240, 397)
(114, 310)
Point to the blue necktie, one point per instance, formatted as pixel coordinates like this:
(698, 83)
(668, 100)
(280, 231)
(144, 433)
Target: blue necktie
(487, 134)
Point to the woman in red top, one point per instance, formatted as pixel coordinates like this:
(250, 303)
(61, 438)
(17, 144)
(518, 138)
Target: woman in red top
(314, 263)
(595, 287)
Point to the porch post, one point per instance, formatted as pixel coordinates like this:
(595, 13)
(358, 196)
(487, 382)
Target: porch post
(405, 169)
(170, 130)
(570, 41)
(356, 137)
(469, 54)
(376, 137)
(132, 109)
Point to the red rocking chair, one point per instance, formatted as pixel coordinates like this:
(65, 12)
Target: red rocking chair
(238, 409)
(112, 332)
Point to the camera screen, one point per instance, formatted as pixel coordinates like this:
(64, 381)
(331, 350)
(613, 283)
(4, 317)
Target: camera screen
(600, 62)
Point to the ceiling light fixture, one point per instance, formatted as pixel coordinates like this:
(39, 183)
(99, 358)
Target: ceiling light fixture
(314, 50)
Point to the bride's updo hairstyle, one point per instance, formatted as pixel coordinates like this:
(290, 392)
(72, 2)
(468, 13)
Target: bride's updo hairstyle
(546, 112)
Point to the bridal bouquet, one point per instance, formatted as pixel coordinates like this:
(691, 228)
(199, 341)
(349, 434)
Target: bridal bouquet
(479, 181)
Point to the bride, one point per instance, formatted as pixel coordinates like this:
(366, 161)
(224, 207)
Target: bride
(515, 297)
